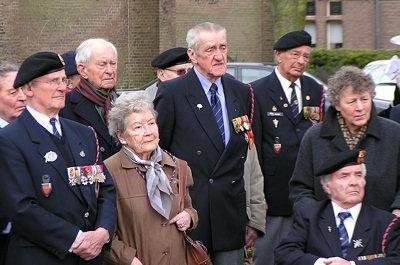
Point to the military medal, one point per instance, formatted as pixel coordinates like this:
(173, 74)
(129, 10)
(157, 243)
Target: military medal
(199, 106)
(50, 157)
(276, 122)
(277, 146)
(241, 124)
(46, 185)
(311, 113)
(85, 175)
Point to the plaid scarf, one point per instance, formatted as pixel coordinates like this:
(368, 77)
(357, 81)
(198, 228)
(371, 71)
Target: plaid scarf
(352, 140)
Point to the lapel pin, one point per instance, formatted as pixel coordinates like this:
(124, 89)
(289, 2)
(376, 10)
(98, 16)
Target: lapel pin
(285, 105)
(50, 157)
(329, 229)
(281, 98)
(358, 243)
(82, 153)
(276, 122)
(307, 97)
(199, 106)
(274, 108)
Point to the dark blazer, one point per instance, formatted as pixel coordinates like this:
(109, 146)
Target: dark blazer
(272, 119)
(189, 131)
(382, 143)
(44, 228)
(82, 110)
(314, 234)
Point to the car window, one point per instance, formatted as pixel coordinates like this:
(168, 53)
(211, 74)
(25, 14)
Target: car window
(252, 74)
(231, 71)
(378, 73)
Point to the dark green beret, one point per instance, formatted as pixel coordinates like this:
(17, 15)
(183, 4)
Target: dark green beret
(37, 65)
(170, 58)
(340, 160)
(292, 40)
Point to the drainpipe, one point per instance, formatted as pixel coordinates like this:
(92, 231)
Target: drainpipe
(377, 24)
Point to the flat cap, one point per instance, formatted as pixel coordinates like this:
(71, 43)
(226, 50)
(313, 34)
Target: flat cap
(37, 65)
(292, 40)
(170, 58)
(340, 160)
(70, 63)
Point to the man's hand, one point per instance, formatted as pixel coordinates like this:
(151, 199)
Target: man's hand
(251, 236)
(89, 244)
(396, 212)
(136, 261)
(336, 261)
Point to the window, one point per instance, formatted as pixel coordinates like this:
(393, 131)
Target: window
(312, 30)
(335, 35)
(311, 8)
(335, 8)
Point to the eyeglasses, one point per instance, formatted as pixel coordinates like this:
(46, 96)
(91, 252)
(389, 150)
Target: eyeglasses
(296, 55)
(55, 82)
(180, 71)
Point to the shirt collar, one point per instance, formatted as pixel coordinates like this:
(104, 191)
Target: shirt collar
(354, 211)
(3, 123)
(206, 84)
(40, 117)
(284, 82)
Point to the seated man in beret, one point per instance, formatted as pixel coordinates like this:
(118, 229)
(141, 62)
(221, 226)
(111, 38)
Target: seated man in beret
(341, 230)
(70, 69)
(169, 64)
(54, 188)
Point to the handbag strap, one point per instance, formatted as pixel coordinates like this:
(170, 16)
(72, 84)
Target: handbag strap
(182, 174)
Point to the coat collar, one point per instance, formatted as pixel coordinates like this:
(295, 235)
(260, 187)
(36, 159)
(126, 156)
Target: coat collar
(330, 126)
(166, 160)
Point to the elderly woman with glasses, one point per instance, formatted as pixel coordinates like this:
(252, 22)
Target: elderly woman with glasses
(150, 223)
(351, 122)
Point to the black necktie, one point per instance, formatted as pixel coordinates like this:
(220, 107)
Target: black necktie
(217, 110)
(343, 235)
(294, 103)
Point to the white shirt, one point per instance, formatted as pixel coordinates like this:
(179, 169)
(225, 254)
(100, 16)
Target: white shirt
(7, 229)
(288, 90)
(44, 120)
(3, 123)
(206, 84)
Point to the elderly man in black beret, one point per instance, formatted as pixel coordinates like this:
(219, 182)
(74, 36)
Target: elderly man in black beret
(170, 64)
(341, 230)
(287, 103)
(54, 188)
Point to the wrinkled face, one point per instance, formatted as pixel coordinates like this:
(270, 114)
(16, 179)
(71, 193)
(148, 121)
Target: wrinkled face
(173, 71)
(355, 108)
(46, 94)
(141, 133)
(346, 188)
(293, 63)
(101, 68)
(212, 55)
(12, 101)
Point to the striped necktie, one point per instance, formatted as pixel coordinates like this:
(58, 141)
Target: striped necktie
(294, 103)
(343, 236)
(217, 110)
(55, 131)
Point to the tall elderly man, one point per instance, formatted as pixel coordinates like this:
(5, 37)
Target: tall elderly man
(341, 230)
(287, 104)
(203, 118)
(54, 189)
(90, 101)
(12, 103)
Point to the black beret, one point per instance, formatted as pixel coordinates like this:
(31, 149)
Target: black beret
(340, 160)
(292, 40)
(37, 65)
(70, 63)
(171, 57)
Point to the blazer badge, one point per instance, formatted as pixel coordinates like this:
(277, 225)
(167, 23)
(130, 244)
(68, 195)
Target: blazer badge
(46, 185)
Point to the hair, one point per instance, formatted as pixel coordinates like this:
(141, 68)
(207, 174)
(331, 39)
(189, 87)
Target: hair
(6, 68)
(193, 35)
(85, 49)
(125, 105)
(326, 178)
(349, 76)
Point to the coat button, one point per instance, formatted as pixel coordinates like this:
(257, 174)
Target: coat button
(86, 215)
(198, 152)
(102, 149)
(298, 130)
(211, 181)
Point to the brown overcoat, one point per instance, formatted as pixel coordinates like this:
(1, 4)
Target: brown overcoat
(141, 231)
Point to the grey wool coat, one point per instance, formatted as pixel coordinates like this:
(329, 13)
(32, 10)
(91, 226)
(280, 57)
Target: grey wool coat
(382, 143)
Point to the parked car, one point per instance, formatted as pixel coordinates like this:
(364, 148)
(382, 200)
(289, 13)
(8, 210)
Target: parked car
(385, 83)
